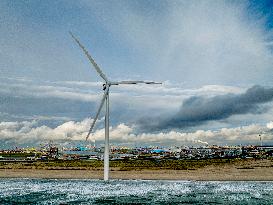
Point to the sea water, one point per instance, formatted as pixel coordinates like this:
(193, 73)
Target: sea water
(62, 191)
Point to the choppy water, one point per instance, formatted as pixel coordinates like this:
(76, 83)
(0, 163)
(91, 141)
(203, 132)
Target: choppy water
(43, 191)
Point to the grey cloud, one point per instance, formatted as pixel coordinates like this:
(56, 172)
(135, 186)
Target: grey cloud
(199, 110)
(18, 107)
(25, 99)
(60, 101)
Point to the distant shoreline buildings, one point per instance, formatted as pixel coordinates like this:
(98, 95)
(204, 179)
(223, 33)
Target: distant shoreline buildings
(52, 152)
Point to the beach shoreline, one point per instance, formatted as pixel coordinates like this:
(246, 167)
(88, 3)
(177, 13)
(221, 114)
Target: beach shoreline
(260, 170)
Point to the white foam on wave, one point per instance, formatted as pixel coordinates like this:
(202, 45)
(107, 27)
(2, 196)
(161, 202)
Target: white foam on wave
(87, 190)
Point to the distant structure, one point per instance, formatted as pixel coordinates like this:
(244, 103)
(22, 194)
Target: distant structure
(106, 87)
(53, 152)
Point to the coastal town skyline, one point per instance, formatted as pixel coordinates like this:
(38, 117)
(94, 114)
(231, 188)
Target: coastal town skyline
(214, 59)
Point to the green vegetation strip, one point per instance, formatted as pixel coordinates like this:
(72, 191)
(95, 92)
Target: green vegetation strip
(17, 155)
(125, 165)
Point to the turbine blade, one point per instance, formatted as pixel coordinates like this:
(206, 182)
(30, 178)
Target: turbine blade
(129, 82)
(151, 82)
(90, 58)
(134, 82)
(98, 112)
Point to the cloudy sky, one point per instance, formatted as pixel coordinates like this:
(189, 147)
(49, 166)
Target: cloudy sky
(214, 58)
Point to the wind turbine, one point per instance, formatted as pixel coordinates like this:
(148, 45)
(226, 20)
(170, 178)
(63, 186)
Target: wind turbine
(105, 99)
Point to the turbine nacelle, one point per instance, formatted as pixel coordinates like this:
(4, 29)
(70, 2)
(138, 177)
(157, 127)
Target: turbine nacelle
(104, 86)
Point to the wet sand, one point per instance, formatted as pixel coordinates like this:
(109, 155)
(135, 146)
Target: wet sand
(260, 170)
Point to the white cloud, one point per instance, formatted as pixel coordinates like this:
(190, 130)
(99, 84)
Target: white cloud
(193, 42)
(34, 117)
(269, 125)
(29, 132)
(46, 91)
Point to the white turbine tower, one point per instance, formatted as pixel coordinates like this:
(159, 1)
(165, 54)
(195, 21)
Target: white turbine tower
(106, 87)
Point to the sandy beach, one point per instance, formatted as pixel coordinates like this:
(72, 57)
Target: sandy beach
(254, 170)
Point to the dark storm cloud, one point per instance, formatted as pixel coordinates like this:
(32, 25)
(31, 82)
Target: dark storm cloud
(198, 110)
